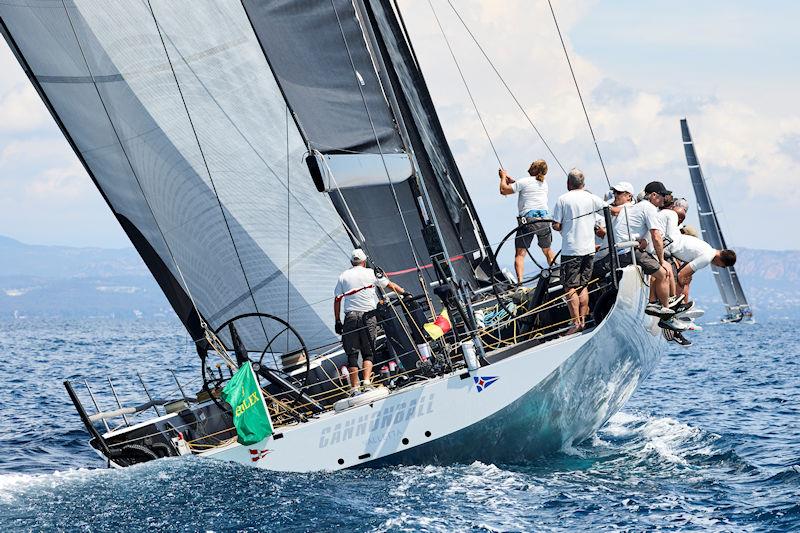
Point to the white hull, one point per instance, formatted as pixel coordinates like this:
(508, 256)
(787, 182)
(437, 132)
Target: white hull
(531, 403)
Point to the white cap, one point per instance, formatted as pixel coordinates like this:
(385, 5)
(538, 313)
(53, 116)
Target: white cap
(624, 186)
(357, 256)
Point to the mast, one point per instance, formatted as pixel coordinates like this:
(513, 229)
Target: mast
(727, 281)
(331, 64)
(428, 213)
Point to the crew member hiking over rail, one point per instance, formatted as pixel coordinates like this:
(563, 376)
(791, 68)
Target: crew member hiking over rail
(357, 287)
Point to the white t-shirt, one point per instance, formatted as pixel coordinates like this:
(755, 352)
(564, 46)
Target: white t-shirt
(357, 287)
(643, 217)
(669, 221)
(601, 243)
(531, 194)
(621, 233)
(575, 211)
(697, 252)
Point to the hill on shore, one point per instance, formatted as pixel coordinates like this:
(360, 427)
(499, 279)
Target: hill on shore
(64, 281)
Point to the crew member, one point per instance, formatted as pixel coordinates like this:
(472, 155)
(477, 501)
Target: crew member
(574, 216)
(531, 205)
(696, 254)
(357, 287)
(643, 222)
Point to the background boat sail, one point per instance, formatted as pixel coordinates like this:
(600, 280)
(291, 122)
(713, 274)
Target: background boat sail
(245, 148)
(730, 288)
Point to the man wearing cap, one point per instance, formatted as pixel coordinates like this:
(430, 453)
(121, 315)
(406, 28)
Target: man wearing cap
(643, 224)
(357, 287)
(622, 196)
(574, 216)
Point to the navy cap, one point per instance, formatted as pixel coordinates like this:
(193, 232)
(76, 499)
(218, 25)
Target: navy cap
(656, 186)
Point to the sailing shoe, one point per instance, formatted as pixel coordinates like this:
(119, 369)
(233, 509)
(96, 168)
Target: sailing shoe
(656, 309)
(355, 392)
(367, 385)
(680, 339)
(674, 325)
(684, 306)
(674, 301)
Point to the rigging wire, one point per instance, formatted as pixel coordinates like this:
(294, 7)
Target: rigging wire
(503, 81)
(205, 163)
(578, 89)
(466, 85)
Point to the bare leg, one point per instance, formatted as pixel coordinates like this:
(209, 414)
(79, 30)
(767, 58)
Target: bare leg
(583, 298)
(353, 376)
(661, 284)
(367, 370)
(549, 254)
(519, 263)
(573, 304)
(670, 278)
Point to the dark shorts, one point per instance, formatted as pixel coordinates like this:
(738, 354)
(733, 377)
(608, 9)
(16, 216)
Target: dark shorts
(646, 260)
(359, 332)
(576, 270)
(525, 233)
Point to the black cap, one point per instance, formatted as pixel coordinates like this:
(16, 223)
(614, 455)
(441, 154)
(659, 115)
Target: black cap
(656, 186)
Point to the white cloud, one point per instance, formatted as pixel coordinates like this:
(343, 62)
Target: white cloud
(21, 109)
(746, 148)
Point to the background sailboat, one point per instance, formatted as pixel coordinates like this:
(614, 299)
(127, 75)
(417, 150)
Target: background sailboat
(730, 288)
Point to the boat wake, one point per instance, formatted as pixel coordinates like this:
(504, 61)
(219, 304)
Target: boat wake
(639, 468)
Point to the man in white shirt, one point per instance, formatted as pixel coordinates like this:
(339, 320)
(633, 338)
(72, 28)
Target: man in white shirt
(574, 216)
(643, 221)
(696, 254)
(357, 287)
(621, 195)
(531, 205)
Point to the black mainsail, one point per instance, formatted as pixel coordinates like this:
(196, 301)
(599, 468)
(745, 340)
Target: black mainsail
(728, 283)
(393, 165)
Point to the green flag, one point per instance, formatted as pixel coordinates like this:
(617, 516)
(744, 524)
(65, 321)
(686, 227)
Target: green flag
(250, 415)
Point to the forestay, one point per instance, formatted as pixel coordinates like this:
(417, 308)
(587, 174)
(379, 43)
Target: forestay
(173, 110)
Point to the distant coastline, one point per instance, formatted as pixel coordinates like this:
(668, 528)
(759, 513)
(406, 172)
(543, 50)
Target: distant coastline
(38, 281)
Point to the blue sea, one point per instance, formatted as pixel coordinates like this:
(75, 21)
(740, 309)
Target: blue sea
(711, 441)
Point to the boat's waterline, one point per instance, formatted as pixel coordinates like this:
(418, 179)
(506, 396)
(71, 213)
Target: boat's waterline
(528, 404)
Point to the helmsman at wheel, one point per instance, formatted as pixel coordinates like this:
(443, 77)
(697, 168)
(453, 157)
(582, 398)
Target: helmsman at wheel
(357, 286)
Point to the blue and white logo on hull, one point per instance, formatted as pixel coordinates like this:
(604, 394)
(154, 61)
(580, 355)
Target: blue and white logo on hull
(483, 382)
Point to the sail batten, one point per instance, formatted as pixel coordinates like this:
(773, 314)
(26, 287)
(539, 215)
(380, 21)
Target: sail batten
(727, 281)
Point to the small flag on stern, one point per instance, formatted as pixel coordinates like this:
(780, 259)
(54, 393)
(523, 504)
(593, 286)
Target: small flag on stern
(250, 415)
(440, 326)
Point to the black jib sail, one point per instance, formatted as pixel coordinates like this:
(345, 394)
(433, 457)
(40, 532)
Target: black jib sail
(340, 70)
(173, 111)
(728, 282)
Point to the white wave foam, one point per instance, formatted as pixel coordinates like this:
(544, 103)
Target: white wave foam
(14, 485)
(671, 439)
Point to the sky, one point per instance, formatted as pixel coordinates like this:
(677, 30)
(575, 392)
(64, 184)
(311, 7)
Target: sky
(728, 66)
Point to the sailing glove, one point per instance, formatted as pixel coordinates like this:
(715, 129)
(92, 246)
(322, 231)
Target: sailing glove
(338, 327)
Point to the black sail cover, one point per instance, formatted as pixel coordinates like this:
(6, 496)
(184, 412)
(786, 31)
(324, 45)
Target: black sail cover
(173, 110)
(728, 282)
(320, 56)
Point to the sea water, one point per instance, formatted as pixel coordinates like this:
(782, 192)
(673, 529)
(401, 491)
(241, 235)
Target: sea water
(710, 441)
